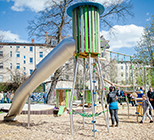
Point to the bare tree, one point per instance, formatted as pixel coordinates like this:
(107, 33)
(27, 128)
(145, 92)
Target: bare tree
(55, 20)
(18, 78)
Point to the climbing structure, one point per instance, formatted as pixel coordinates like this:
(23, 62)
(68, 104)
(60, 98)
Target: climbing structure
(86, 33)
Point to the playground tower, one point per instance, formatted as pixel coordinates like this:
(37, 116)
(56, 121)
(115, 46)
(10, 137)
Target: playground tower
(86, 32)
(86, 28)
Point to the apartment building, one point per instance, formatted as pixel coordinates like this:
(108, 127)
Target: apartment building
(20, 57)
(23, 58)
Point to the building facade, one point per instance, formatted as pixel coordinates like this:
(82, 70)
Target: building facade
(21, 58)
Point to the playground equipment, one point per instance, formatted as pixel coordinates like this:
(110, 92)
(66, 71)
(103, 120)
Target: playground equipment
(57, 57)
(63, 97)
(138, 101)
(86, 45)
(86, 32)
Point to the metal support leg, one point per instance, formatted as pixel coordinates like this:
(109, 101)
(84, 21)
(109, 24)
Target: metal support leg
(102, 82)
(29, 111)
(72, 93)
(134, 87)
(83, 89)
(93, 105)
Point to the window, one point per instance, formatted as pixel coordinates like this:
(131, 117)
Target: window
(1, 78)
(31, 49)
(66, 66)
(121, 62)
(1, 46)
(10, 53)
(10, 65)
(67, 77)
(24, 46)
(41, 54)
(41, 47)
(53, 42)
(30, 60)
(24, 73)
(24, 61)
(17, 54)
(1, 65)
(122, 74)
(24, 68)
(31, 71)
(24, 57)
(10, 77)
(17, 47)
(10, 46)
(1, 53)
(122, 67)
(17, 65)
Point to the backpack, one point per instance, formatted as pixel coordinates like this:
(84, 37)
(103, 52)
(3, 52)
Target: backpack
(111, 97)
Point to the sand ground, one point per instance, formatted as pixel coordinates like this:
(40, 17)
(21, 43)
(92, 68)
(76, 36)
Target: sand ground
(45, 127)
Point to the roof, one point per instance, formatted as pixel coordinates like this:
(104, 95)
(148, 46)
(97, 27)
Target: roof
(23, 43)
(98, 5)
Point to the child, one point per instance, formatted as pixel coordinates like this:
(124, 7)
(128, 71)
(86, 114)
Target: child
(146, 105)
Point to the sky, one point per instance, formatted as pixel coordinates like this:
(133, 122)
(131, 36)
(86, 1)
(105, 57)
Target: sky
(15, 14)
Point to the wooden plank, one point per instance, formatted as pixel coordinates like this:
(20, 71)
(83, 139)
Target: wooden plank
(99, 46)
(96, 29)
(78, 29)
(82, 30)
(93, 30)
(86, 29)
(74, 16)
(90, 36)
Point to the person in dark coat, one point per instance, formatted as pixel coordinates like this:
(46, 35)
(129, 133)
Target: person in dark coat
(150, 95)
(113, 105)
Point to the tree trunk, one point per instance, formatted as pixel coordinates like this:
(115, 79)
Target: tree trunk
(51, 91)
(53, 85)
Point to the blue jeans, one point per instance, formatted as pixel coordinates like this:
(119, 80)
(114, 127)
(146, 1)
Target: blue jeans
(45, 100)
(8, 100)
(1, 100)
(114, 114)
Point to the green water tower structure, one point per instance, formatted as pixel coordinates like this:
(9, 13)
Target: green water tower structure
(86, 27)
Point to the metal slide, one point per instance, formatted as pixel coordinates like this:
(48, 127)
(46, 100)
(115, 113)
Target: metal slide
(57, 57)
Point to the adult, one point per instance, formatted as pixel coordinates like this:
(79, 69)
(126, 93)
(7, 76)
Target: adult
(45, 97)
(1, 97)
(150, 95)
(33, 96)
(8, 97)
(11, 97)
(113, 105)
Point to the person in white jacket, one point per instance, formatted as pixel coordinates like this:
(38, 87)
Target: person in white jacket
(1, 97)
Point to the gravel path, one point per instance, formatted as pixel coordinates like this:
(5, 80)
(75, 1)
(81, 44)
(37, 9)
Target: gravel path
(45, 127)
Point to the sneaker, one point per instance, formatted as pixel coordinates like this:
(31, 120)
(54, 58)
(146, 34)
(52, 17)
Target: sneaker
(141, 121)
(151, 121)
(116, 125)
